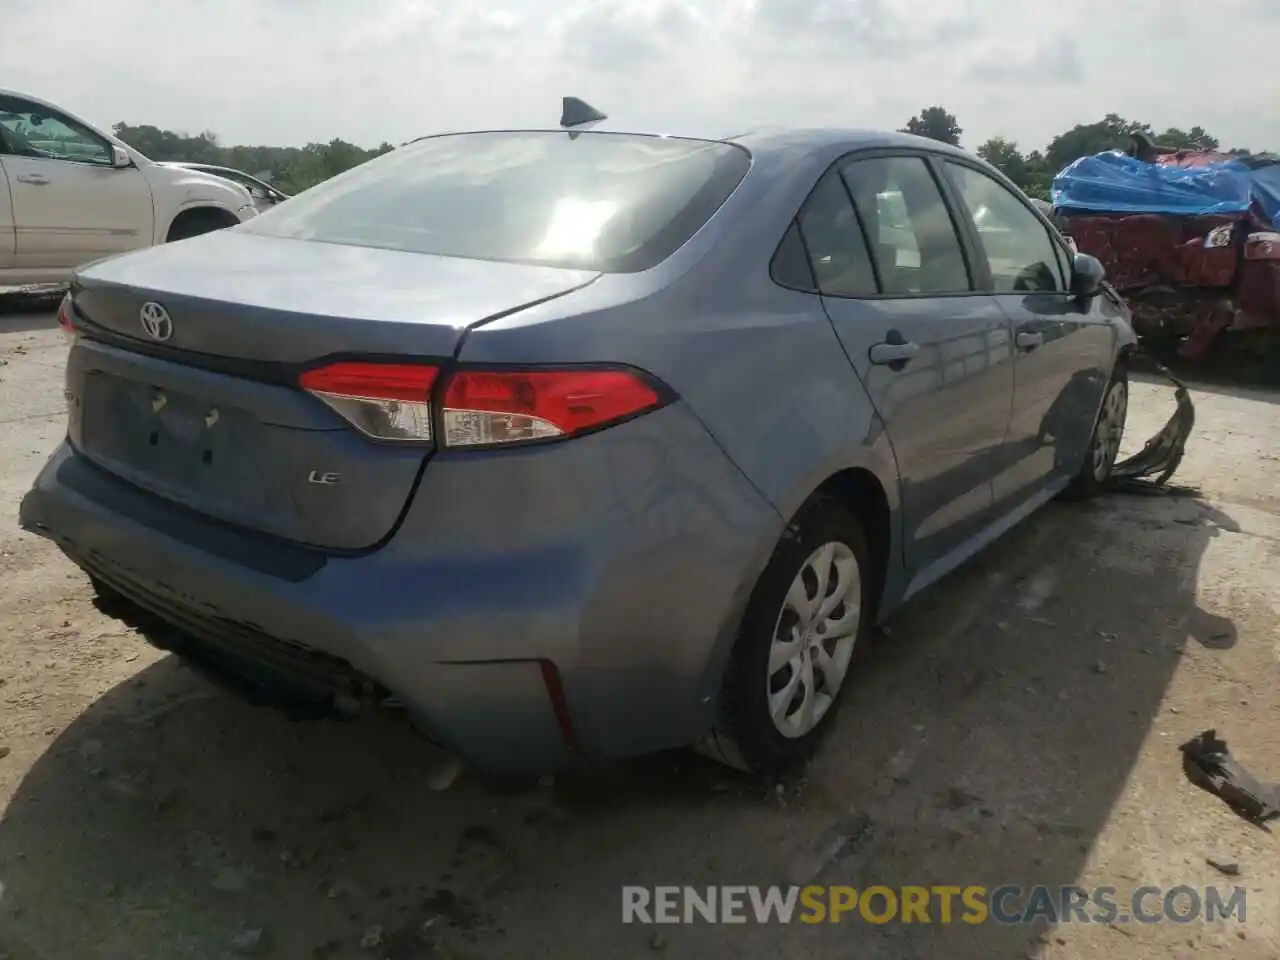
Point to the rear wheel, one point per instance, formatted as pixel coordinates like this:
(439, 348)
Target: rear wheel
(805, 618)
(1104, 445)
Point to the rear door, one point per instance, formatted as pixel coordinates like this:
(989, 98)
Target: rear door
(70, 205)
(932, 351)
(1062, 347)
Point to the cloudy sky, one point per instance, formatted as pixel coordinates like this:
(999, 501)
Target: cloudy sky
(292, 71)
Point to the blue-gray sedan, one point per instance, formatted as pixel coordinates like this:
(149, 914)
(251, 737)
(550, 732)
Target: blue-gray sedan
(579, 445)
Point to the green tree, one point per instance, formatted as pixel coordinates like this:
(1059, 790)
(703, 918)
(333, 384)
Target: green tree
(1005, 156)
(1039, 176)
(1194, 139)
(936, 124)
(292, 169)
(1112, 132)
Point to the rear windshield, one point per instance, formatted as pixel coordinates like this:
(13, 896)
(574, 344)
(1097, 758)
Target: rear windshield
(618, 203)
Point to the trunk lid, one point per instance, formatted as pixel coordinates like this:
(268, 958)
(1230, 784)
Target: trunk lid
(234, 294)
(211, 417)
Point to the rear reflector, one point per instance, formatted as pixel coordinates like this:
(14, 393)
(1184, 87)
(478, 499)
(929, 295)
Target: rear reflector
(559, 704)
(484, 407)
(385, 401)
(391, 401)
(65, 323)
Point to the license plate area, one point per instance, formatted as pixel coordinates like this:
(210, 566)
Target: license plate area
(180, 445)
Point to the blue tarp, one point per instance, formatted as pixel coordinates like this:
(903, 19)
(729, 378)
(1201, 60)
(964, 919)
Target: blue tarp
(1116, 183)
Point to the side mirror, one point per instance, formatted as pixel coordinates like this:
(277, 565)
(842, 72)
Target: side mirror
(120, 157)
(1087, 274)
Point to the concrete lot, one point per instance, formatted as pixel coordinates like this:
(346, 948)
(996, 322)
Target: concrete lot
(1018, 724)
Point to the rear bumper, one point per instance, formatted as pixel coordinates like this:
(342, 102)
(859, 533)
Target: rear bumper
(622, 559)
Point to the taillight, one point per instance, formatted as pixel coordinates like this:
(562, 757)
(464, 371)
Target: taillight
(385, 401)
(483, 407)
(65, 323)
(392, 401)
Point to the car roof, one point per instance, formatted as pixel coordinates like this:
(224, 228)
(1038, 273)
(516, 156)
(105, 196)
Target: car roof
(839, 138)
(826, 141)
(39, 101)
(813, 139)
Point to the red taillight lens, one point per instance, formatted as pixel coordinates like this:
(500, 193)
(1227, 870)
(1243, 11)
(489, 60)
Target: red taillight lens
(385, 401)
(391, 401)
(483, 407)
(65, 322)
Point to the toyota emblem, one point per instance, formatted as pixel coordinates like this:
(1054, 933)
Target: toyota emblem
(156, 321)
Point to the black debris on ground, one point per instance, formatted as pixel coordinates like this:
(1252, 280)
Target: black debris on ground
(1209, 765)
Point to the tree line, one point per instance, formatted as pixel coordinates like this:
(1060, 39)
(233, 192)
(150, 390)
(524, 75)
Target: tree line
(293, 169)
(1034, 171)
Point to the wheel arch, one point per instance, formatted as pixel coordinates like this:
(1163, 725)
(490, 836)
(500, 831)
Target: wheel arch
(860, 491)
(859, 488)
(200, 211)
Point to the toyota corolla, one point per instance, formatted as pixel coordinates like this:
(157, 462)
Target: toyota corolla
(578, 444)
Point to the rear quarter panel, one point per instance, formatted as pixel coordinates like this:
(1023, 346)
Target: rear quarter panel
(760, 365)
(778, 404)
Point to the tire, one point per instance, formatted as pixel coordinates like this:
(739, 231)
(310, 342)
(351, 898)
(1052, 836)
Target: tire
(1104, 443)
(746, 735)
(197, 222)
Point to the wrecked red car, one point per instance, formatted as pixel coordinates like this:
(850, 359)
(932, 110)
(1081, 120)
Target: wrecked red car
(1191, 239)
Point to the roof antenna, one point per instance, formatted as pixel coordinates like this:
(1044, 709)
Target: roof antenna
(578, 113)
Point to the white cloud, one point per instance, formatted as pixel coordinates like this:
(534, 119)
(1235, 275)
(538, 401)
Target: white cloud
(291, 71)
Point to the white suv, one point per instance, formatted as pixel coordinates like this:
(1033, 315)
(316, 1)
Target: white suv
(70, 193)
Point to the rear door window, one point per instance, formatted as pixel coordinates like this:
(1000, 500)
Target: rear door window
(1020, 251)
(835, 243)
(594, 201)
(790, 267)
(914, 241)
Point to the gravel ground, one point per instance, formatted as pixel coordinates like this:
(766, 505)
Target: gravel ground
(1017, 724)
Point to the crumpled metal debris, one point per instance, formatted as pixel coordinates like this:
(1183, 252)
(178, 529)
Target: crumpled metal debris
(1148, 471)
(1209, 765)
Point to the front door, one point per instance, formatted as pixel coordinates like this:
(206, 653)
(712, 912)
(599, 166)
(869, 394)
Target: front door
(6, 217)
(1062, 348)
(70, 205)
(933, 353)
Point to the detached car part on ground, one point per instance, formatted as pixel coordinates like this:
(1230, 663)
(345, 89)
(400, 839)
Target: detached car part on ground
(578, 445)
(1191, 239)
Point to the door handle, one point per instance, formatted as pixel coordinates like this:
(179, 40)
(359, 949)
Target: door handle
(895, 352)
(1028, 341)
(37, 178)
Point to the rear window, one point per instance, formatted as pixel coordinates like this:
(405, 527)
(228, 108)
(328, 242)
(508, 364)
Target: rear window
(618, 203)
